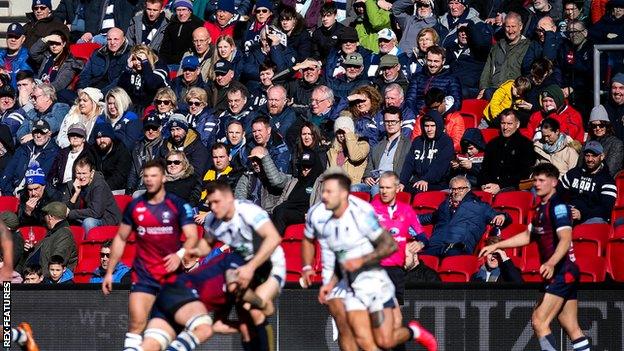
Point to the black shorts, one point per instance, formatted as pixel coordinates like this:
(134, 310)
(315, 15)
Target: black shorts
(397, 275)
(171, 298)
(261, 274)
(564, 284)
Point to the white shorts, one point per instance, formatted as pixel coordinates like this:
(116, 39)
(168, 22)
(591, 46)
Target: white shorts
(372, 290)
(340, 290)
(278, 263)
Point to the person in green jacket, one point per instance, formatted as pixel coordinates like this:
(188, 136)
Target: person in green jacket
(370, 21)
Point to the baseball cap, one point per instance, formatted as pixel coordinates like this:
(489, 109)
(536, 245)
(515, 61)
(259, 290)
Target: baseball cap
(388, 61)
(42, 126)
(222, 66)
(77, 129)
(348, 34)
(354, 59)
(190, 62)
(15, 30)
(152, 120)
(386, 34)
(56, 209)
(7, 90)
(593, 146)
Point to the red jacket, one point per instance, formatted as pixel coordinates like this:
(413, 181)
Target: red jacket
(570, 120)
(216, 31)
(453, 126)
(598, 9)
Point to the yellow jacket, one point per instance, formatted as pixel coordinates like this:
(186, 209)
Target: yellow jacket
(501, 100)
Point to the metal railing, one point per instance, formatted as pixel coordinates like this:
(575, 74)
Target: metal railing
(598, 49)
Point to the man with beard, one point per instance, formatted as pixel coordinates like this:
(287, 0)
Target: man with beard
(187, 140)
(615, 105)
(145, 150)
(111, 157)
(148, 27)
(283, 118)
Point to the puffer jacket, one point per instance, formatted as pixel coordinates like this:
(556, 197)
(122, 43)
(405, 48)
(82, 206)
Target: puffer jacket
(422, 82)
(272, 182)
(565, 155)
(569, 119)
(20, 63)
(14, 172)
(501, 99)
(356, 155)
(70, 68)
(104, 68)
(53, 115)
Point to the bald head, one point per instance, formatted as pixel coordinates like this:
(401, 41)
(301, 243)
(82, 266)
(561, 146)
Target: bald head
(115, 39)
(201, 40)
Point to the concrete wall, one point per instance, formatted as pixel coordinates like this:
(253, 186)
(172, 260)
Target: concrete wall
(21, 7)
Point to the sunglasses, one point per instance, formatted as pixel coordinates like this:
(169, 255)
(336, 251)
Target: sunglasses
(195, 103)
(423, 5)
(54, 43)
(174, 162)
(39, 8)
(598, 125)
(159, 102)
(262, 11)
(102, 255)
(150, 128)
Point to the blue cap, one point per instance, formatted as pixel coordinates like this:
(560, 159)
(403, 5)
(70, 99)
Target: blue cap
(265, 3)
(104, 130)
(227, 6)
(190, 62)
(594, 147)
(15, 30)
(46, 3)
(34, 174)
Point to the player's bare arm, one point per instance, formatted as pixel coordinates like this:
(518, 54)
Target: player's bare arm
(173, 260)
(6, 241)
(307, 257)
(517, 240)
(384, 246)
(270, 240)
(117, 249)
(325, 289)
(565, 239)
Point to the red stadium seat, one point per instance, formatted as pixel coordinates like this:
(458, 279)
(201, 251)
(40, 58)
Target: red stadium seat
(88, 257)
(102, 233)
(291, 243)
(615, 259)
(590, 239)
(83, 51)
(619, 183)
(527, 133)
(470, 120)
(518, 262)
(457, 268)
(530, 271)
(617, 232)
(510, 231)
(78, 233)
(40, 232)
(122, 201)
(428, 201)
(474, 106)
(517, 203)
(401, 196)
(294, 232)
(9, 203)
(489, 134)
(593, 269)
(82, 277)
(432, 262)
(484, 196)
(362, 195)
(129, 253)
(173, 74)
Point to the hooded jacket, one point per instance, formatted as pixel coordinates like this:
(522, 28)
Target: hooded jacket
(429, 159)
(178, 38)
(114, 165)
(474, 137)
(195, 151)
(95, 201)
(65, 74)
(104, 68)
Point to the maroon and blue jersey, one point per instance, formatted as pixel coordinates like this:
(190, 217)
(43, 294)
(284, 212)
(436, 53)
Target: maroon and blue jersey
(158, 228)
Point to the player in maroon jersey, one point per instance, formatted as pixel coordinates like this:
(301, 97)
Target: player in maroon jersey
(159, 220)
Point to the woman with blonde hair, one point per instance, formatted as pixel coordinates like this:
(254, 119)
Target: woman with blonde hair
(427, 38)
(143, 76)
(364, 103)
(165, 104)
(88, 110)
(127, 125)
(200, 116)
(181, 179)
(225, 49)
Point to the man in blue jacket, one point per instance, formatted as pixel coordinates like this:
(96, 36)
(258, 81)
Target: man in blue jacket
(14, 58)
(121, 273)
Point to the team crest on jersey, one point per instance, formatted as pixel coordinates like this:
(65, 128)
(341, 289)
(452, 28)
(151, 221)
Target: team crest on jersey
(394, 231)
(141, 209)
(166, 216)
(140, 231)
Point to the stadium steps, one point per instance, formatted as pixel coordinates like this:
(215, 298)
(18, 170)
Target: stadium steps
(12, 11)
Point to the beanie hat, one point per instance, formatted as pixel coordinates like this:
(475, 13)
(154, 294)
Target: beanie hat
(104, 130)
(46, 3)
(345, 123)
(178, 120)
(34, 174)
(265, 3)
(183, 3)
(9, 219)
(554, 91)
(227, 6)
(618, 78)
(94, 93)
(599, 113)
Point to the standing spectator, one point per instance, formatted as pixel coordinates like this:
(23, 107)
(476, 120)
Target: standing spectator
(576, 61)
(41, 23)
(590, 188)
(46, 108)
(111, 157)
(91, 200)
(15, 57)
(261, 18)
(601, 130)
(369, 22)
(57, 66)
(469, 57)
(201, 49)
(264, 135)
(34, 198)
(556, 147)
(121, 272)
(498, 267)
(325, 37)
(143, 75)
(459, 14)
(181, 179)
(88, 110)
(348, 150)
(187, 140)
(109, 14)
(106, 64)
(297, 37)
(147, 149)
(148, 26)
(553, 105)
(615, 104)
(61, 173)
(412, 24)
(469, 161)
(508, 157)
(126, 124)
(225, 21)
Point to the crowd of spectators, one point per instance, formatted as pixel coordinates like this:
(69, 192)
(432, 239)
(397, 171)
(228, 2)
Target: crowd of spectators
(267, 94)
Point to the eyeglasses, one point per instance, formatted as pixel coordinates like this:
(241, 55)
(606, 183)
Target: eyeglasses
(392, 122)
(35, 97)
(195, 103)
(39, 8)
(54, 43)
(317, 101)
(598, 125)
(262, 10)
(460, 188)
(102, 255)
(162, 102)
(174, 162)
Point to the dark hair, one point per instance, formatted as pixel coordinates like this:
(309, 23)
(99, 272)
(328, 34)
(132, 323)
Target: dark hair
(290, 12)
(268, 65)
(219, 145)
(547, 169)
(58, 61)
(56, 259)
(329, 7)
(316, 135)
(393, 110)
(551, 123)
(434, 95)
(437, 50)
(540, 69)
(107, 244)
(507, 112)
(34, 269)
(344, 182)
(155, 163)
(236, 88)
(218, 185)
(21, 75)
(262, 119)
(82, 162)
(235, 121)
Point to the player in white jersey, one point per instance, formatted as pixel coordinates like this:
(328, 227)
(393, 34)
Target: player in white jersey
(240, 224)
(349, 232)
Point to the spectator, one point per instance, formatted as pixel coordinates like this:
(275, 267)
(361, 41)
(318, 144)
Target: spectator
(199, 116)
(91, 200)
(283, 118)
(225, 49)
(41, 22)
(217, 89)
(201, 49)
(573, 10)
(556, 147)
(508, 157)
(369, 22)
(12, 223)
(178, 37)
(469, 161)
(46, 108)
(498, 267)
(7, 145)
(427, 162)
(590, 188)
(165, 103)
(510, 94)
(147, 149)
(236, 142)
(106, 64)
(187, 140)
(576, 63)
(348, 45)
(434, 75)
(80, 17)
(416, 270)
(454, 127)
(615, 104)
(15, 57)
(267, 71)
(553, 105)
(390, 72)
(364, 104)
(126, 124)
(25, 86)
(394, 97)
(309, 141)
(190, 78)
(59, 240)
(310, 13)
(237, 109)
(148, 26)
(293, 25)
(88, 110)
(111, 14)
(111, 157)
(460, 221)
(11, 115)
(121, 272)
(388, 155)
(610, 28)
(354, 76)
(221, 170)
(61, 173)
(41, 149)
(459, 15)
(505, 58)
(413, 24)
(58, 273)
(545, 45)
(600, 129)
(262, 17)
(542, 76)
(325, 37)
(539, 10)
(34, 198)
(264, 184)
(388, 45)
(427, 38)
(143, 76)
(323, 111)
(348, 151)
(264, 135)
(57, 66)
(300, 90)
(181, 179)
(468, 57)
(33, 275)
(225, 22)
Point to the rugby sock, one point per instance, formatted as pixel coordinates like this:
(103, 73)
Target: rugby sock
(132, 342)
(262, 337)
(423, 336)
(185, 341)
(547, 343)
(581, 344)
(247, 345)
(18, 336)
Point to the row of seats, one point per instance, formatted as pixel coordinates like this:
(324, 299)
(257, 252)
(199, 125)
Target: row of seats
(11, 203)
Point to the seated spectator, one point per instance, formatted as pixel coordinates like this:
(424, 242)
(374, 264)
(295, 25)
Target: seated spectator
(33, 275)
(388, 45)
(508, 157)
(309, 141)
(46, 108)
(553, 105)
(25, 86)
(427, 37)
(348, 150)
(298, 38)
(106, 64)
(412, 22)
(390, 72)
(498, 267)
(15, 57)
(436, 99)
(126, 124)
(468, 56)
(225, 49)
(237, 109)
(121, 273)
(111, 157)
(199, 116)
(609, 27)
(41, 22)
(542, 75)
(178, 36)
(394, 96)
(545, 45)
(88, 110)
(264, 184)
(364, 104)
(283, 118)
(388, 155)
(348, 45)
(236, 142)
(41, 149)
(311, 13)
(261, 18)
(267, 71)
(61, 173)
(460, 221)
(7, 145)
(225, 21)
(148, 26)
(91, 202)
(590, 188)
(322, 112)
(58, 273)
(510, 94)
(601, 130)
(201, 49)
(147, 149)
(190, 78)
(354, 76)
(12, 224)
(217, 89)
(59, 240)
(556, 147)
(220, 170)
(615, 104)
(34, 198)
(264, 135)
(459, 15)
(11, 115)
(325, 37)
(165, 103)
(185, 139)
(468, 162)
(416, 271)
(57, 65)
(300, 90)
(143, 76)
(428, 160)
(181, 179)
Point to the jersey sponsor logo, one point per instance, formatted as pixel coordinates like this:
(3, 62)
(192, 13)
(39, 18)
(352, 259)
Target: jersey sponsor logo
(141, 209)
(561, 211)
(154, 230)
(372, 222)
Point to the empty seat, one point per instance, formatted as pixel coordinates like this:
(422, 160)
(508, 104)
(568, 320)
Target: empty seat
(88, 257)
(457, 268)
(432, 262)
(362, 195)
(484, 196)
(489, 134)
(428, 201)
(593, 269)
(590, 239)
(470, 119)
(615, 259)
(122, 201)
(9, 203)
(617, 232)
(38, 231)
(78, 233)
(102, 233)
(619, 183)
(83, 51)
(291, 243)
(510, 231)
(474, 106)
(517, 203)
(530, 271)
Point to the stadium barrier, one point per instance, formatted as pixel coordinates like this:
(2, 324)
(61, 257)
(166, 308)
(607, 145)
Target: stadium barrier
(462, 316)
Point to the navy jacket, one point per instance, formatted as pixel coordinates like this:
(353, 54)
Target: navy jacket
(129, 130)
(342, 87)
(20, 63)
(16, 168)
(285, 123)
(103, 69)
(278, 150)
(282, 56)
(593, 195)
(142, 86)
(423, 81)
